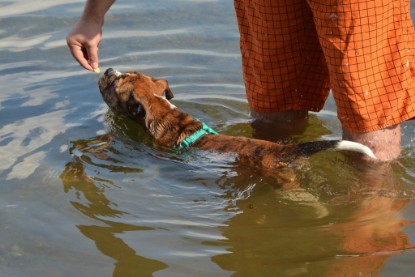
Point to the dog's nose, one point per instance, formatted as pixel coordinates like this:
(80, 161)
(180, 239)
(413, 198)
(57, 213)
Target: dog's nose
(109, 71)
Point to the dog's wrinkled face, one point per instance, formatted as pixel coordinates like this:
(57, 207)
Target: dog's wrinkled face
(130, 93)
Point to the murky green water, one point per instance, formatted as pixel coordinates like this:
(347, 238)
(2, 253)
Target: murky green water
(87, 193)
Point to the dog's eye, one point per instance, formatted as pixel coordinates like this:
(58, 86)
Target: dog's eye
(139, 109)
(135, 109)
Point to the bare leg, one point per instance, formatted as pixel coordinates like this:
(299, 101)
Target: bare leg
(278, 126)
(385, 143)
(280, 117)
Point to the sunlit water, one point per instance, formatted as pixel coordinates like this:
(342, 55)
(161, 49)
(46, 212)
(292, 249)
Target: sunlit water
(88, 193)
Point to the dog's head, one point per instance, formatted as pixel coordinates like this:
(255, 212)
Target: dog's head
(131, 93)
(142, 97)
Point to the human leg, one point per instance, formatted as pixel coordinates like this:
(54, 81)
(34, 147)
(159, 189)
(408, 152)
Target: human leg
(368, 46)
(279, 126)
(283, 66)
(385, 143)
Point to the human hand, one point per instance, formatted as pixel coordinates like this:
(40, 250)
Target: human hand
(83, 41)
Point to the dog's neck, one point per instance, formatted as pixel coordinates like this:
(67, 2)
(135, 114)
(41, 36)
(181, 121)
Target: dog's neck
(170, 126)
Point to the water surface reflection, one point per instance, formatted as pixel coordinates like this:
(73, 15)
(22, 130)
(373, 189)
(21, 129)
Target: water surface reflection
(353, 231)
(322, 227)
(93, 203)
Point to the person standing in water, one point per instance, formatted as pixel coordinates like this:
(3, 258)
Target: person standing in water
(295, 51)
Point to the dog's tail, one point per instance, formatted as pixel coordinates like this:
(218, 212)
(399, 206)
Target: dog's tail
(310, 148)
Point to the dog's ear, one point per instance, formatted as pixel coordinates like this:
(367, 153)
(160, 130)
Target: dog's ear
(163, 88)
(169, 95)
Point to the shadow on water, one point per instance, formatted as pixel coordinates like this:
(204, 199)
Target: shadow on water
(344, 216)
(92, 202)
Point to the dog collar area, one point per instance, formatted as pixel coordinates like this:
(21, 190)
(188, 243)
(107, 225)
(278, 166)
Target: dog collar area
(195, 137)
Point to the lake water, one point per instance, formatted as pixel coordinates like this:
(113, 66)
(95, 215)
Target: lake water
(87, 193)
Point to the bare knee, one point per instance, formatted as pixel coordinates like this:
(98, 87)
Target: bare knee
(385, 143)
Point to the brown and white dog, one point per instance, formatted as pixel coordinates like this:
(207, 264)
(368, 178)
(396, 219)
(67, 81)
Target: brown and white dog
(146, 100)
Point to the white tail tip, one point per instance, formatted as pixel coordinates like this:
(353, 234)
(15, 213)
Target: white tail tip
(356, 147)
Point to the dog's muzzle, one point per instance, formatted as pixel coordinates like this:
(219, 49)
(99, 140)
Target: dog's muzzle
(110, 71)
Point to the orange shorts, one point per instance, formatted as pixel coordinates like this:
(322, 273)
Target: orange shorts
(295, 51)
